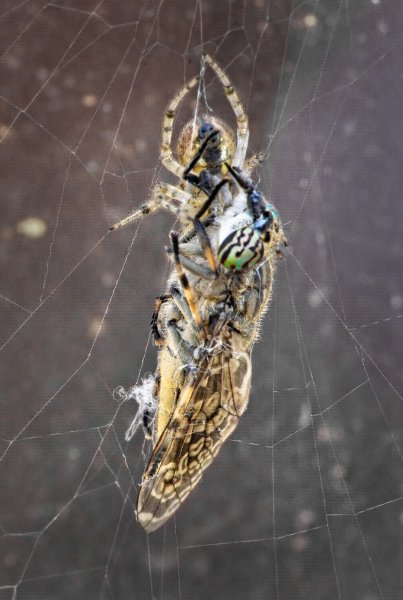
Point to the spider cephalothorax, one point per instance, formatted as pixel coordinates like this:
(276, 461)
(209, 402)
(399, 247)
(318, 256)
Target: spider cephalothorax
(194, 183)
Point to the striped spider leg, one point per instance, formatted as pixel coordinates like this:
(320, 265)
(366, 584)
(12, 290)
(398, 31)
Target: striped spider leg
(202, 153)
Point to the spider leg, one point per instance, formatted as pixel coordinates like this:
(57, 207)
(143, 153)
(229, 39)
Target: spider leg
(190, 235)
(167, 156)
(240, 114)
(162, 196)
(206, 246)
(172, 192)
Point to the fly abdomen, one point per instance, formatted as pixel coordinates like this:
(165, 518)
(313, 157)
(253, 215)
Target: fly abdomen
(241, 249)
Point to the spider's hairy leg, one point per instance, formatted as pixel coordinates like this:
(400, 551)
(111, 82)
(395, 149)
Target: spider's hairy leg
(164, 195)
(254, 198)
(237, 107)
(167, 157)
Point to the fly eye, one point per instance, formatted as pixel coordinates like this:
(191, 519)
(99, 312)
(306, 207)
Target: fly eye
(204, 130)
(268, 215)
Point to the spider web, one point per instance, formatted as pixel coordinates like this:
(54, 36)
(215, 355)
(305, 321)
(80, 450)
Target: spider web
(306, 499)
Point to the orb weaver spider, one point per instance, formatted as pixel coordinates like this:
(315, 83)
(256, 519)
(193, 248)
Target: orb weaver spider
(202, 154)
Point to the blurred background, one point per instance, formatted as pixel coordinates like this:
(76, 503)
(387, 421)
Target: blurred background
(306, 499)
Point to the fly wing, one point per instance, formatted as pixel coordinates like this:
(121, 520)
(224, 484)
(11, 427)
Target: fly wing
(207, 411)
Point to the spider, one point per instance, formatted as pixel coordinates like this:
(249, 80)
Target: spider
(201, 155)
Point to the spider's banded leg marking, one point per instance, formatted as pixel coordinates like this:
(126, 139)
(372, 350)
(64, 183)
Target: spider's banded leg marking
(187, 291)
(167, 157)
(237, 107)
(171, 192)
(162, 196)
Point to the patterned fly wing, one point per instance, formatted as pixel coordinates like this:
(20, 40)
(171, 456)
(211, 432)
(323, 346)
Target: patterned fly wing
(207, 411)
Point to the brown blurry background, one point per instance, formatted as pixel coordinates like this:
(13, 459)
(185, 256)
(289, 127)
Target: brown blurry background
(306, 500)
